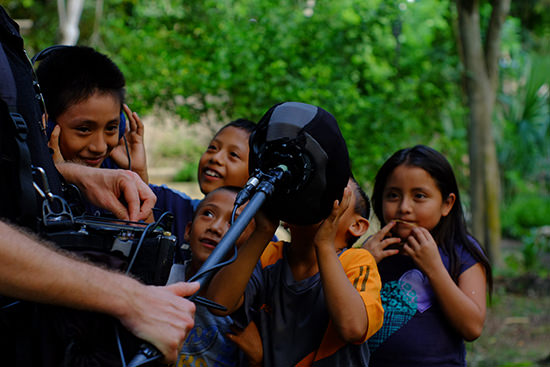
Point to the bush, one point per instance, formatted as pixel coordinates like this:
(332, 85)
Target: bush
(188, 173)
(525, 212)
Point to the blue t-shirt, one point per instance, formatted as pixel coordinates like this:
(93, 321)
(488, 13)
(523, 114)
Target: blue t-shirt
(206, 343)
(415, 330)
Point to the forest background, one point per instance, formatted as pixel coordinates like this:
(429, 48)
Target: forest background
(469, 78)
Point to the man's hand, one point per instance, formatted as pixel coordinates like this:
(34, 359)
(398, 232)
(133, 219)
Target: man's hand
(120, 191)
(161, 316)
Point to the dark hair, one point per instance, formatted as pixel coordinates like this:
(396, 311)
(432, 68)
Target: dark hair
(72, 74)
(361, 207)
(233, 189)
(362, 202)
(451, 228)
(243, 124)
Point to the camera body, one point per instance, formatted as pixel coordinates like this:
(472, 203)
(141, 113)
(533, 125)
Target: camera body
(145, 251)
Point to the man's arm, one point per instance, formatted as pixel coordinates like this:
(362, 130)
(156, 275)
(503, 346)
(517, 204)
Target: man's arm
(33, 271)
(105, 188)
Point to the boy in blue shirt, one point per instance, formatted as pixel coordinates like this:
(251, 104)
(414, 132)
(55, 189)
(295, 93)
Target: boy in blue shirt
(207, 343)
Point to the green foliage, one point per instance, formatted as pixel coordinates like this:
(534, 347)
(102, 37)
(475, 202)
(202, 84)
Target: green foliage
(387, 70)
(388, 75)
(186, 149)
(188, 173)
(533, 255)
(524, 213)
(523, 122)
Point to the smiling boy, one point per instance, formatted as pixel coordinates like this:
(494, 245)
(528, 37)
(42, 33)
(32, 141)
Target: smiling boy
(84, 94)
(207, 343)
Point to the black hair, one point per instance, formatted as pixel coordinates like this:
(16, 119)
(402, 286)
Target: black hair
(451, 228)
(243, 124)
(362, 202)
(233, 189)
(72, 74)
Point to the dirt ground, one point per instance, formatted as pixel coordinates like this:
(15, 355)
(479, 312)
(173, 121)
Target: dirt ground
(517, 327)
(517, 333)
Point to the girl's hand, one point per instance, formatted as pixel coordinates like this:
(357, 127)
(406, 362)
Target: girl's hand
(53, 144)
(421, 247)
(136, 147)
(377, 244)
(326, 233)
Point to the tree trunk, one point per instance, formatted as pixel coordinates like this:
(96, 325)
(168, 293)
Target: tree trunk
(95, 40)
(481, 75)
(69, 18)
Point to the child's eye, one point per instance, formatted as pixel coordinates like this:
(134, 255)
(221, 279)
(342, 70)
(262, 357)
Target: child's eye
(234, 154)
(420, 195)
(207, 213)
(82, 129)
(211, 148)
(391, 195)
(112, 128)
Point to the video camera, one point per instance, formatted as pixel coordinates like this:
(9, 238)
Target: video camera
(145, 250)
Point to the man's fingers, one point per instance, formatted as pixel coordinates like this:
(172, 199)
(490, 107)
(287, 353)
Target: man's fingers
(132, 199)
(184, 289)
(148, 201)
(118, 209)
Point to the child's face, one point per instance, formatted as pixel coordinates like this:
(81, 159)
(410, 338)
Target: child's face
(210, 224)
(225, 162)
(89, 129)
(412, 195)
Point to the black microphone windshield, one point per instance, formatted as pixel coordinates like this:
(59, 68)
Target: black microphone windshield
(307, 140)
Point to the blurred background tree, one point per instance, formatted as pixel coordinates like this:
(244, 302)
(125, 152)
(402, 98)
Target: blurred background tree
(389, 70)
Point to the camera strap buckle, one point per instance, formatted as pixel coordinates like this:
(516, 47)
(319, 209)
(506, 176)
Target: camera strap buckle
(55, 210)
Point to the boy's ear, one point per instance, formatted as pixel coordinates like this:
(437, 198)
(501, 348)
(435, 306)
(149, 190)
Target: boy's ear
(187, 231)
(359, 227)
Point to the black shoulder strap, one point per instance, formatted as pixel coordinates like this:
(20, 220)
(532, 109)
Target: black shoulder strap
(8, 93)
(21, 118)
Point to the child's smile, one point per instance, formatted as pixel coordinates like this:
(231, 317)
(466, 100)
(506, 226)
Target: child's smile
(89, 129)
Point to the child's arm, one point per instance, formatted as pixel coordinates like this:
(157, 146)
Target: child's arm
(228, 285)
(136, 147)
(345, 305)
(464, 304)
(250, 342)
